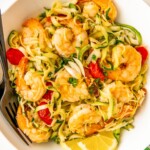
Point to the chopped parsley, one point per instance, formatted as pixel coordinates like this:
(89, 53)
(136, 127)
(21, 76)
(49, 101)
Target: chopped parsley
(93, 57)
(73, 81)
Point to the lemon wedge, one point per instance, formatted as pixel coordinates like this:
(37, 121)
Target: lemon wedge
(100, 141)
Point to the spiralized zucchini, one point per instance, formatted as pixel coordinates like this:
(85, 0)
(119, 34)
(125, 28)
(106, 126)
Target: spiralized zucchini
(87, 59)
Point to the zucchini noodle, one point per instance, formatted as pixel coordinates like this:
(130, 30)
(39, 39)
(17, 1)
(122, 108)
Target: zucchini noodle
(86, 69)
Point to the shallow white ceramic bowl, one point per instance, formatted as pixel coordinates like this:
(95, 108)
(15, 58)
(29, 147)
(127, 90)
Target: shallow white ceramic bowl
(133, 12)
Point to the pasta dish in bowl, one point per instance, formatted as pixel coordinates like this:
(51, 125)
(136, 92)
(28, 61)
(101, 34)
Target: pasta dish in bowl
(77, 72)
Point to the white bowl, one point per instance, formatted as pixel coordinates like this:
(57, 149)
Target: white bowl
(135, 13)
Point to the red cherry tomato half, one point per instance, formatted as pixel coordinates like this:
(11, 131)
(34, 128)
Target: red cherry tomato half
(48, 94)
(48, 83)
(45, 114)
(96, 71)
(144, 53)
(14, 56)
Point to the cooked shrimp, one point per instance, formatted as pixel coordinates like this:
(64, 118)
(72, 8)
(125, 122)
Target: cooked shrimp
(128, 106)
(105, 5)
(66, 39)
(130, 64)
(90, 9)
(33, 33)
(121, 92)
(36, 135)
(67, 91)
(62, 40)
(85, 120)
(29, 84)
(75, 27)
(123, 96)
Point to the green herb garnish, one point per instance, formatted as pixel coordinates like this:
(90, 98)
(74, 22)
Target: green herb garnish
(73, 81)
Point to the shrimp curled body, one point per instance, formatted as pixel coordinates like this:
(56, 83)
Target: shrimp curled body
(66, 39)
(85, 120)
(68, 92)
(33, 33)
(107, 5)
(29, 84)
(91, 9)
(124, 96)
(36, 135)
(131, 61)
(62, 40)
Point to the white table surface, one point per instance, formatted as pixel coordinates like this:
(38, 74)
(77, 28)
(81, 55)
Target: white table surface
(5, 144)
(5, 4)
